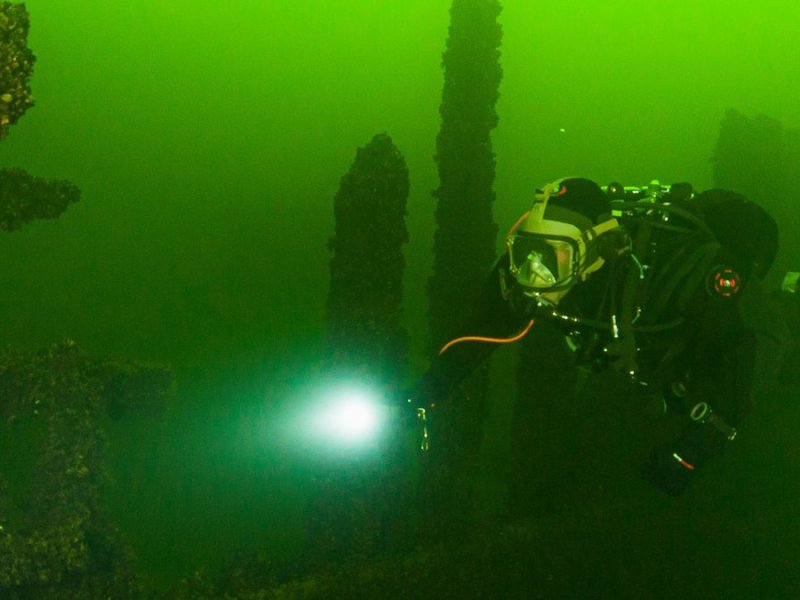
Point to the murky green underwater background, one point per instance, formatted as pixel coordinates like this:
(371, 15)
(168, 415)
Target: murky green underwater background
(208, 139)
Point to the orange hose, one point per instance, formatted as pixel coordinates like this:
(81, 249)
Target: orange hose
(490, 340)
(475, 338)
(517, 224)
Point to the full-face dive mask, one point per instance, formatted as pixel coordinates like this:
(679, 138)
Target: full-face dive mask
(553, 247)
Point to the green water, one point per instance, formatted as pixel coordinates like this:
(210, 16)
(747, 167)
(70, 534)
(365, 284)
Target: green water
(208, 139)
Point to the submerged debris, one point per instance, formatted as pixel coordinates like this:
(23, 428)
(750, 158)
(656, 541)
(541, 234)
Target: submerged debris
(59, 543)
(24, 198)
(16, 65)
(363, 308)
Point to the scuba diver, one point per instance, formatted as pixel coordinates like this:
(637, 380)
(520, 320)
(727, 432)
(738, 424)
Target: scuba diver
(643, 280)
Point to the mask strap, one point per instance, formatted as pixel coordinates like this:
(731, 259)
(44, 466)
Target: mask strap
(595, 232)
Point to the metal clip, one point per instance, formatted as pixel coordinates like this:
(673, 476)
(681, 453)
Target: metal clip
(423, 417)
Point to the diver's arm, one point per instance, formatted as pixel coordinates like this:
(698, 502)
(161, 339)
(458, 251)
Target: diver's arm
(491, 317)
(718, 394)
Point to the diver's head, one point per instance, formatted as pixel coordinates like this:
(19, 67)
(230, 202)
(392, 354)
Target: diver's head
(557, 243)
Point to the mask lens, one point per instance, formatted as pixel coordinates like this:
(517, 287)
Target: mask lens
(534, 273)
(540, 262)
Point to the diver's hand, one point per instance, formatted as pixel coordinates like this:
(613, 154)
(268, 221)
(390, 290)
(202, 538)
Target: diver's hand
(670, 467)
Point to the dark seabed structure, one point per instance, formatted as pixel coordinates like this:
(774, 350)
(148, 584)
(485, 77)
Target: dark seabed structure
(235, 233)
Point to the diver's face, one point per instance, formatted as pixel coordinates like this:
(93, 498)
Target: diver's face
(553, 297)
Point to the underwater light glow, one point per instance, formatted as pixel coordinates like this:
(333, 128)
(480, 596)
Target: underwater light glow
(351, 417)
(338, 418)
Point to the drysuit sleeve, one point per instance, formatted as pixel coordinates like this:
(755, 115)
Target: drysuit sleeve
(720, 382)
(491, 316)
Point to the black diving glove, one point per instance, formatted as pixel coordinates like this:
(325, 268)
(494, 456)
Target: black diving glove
(671, 466)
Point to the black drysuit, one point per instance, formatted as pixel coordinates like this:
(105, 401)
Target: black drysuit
(670, 318)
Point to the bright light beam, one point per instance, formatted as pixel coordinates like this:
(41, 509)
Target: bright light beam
(348, 418)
